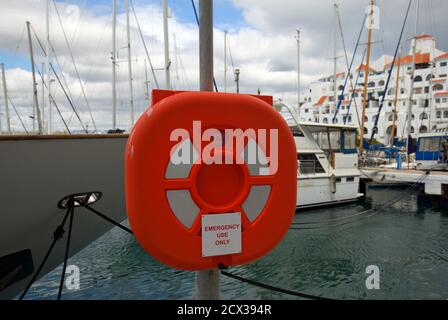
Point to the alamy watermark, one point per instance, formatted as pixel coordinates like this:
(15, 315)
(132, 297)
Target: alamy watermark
(252, 142)
(72, 278)
(373, 278)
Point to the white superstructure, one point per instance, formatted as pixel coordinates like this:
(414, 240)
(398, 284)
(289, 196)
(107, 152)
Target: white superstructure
(430, 98)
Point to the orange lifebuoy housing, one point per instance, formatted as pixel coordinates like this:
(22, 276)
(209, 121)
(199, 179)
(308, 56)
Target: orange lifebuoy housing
(166, 199)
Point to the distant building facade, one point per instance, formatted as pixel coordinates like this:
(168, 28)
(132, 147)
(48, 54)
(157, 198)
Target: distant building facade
(430, 96)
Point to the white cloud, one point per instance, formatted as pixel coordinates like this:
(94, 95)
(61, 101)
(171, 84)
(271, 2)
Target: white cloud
(264, 49)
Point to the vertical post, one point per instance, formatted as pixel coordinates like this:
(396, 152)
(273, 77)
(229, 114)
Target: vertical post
(298, 70)
(131, 93)
(366, 77)
(146, 85)
(33, 71)
(50, 109)
(167, 45)
(114, 65)
(397, 91)
(43, 95)
(237, 80)
(225, 61)
(335, 62)
(5, 95)
(207, 282)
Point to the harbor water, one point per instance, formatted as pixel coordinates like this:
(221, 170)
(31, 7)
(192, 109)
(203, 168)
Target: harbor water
(326, 256)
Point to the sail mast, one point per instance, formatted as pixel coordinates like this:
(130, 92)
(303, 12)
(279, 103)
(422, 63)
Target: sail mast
(394, 114)
(35, 98)
(366, 76)
(47, 65)
(167, 45)
(131, 93)
(225, 61)
(298, 69)
(335, 43)
(411, 87)
(114, 65)
(5, 95)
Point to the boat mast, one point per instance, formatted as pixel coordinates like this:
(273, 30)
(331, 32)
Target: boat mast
(298, 70)
(114, 65)
(5, 95)
(411, 87)
(335, 43)
(366, 75)
(207, 281)
(35, 99)
(50, 111)
(167, 45)
(131, 93)
(225, 61)
(42, 78)
(394, 113)
(146, 85)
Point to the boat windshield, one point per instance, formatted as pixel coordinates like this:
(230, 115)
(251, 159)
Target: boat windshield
(336, 139)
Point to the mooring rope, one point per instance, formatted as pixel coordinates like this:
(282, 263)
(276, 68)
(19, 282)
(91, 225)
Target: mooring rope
(272, 288)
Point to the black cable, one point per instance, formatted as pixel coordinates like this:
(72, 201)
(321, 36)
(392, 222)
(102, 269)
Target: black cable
(67, 249)
(108, 219)
(57, 235)
(197, 20)
(272, 288)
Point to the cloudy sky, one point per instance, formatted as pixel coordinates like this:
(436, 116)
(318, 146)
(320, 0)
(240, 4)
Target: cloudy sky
(261, 37)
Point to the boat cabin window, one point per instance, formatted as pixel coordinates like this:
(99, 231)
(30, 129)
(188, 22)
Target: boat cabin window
(296, 132)
(429, 144)
(324, 144)
(309, 164)
(349, 140)
(341, 140)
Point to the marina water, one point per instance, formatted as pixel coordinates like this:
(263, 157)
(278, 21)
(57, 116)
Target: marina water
(327, 256)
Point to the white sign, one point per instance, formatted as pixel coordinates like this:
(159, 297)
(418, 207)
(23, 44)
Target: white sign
(221, 234)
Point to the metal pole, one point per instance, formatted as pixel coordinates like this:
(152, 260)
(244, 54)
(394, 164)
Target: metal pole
(207, 282)
(335, 43)
(146, 85)
(35, 98)
(43, 95)
(366, 77)
(131, 91)
(114, 65)
(225, 61)
(167, 45)
(298, 70)
(237, 80)
(50, 109)
(5, 94)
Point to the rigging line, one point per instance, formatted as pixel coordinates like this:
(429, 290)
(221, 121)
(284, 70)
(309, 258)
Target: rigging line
(272, 288)
(57, 62)
(67, 250)
(144, 45)
(352, 98)
(74, 65)
(69, 95)
(197, 21)
(55, 104)
(68, 98)
(349, 66)
(18, 115)
(20, 41)
(375, 126)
